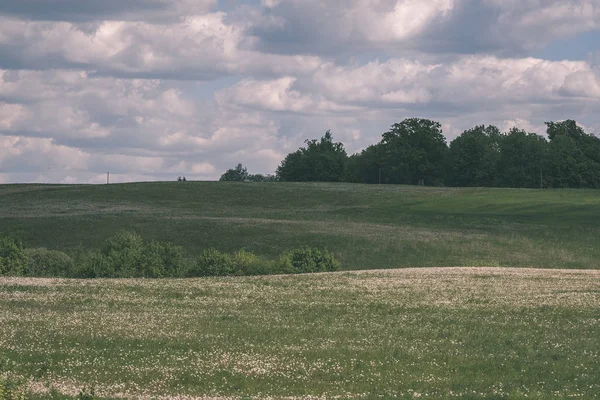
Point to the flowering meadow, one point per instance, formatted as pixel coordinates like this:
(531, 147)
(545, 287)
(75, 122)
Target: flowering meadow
(409, 333)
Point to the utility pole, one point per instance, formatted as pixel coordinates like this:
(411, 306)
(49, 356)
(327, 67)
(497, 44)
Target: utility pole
(107, 178)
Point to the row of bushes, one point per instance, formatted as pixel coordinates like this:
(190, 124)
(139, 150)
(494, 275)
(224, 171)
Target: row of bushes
(128, 255)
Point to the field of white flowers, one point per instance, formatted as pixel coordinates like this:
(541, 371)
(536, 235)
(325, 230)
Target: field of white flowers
(412, 333)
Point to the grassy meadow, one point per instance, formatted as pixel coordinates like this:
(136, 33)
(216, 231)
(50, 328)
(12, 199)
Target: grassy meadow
(407, 333)
(367, 227)
(508, 308)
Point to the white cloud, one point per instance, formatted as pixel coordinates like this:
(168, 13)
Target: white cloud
(197, 47)
(71, 105)
(401, 22)
(509, 27)
(582, 84)
(10, 114)
(38, 154)
(69, 121)
(471, 90)
(476, 82)
(127, 85)
(555, 18)
(275, 95)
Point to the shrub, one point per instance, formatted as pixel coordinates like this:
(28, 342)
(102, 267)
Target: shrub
(163, 260)
(249, 264)
(307, 260)
(124, 252)
(242, 263)
(13, 260)
(212, 263)
(93, 265)
(127, 255)
(48, 263)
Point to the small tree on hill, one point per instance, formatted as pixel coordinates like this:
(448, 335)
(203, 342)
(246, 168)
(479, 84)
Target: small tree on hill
(237, 174)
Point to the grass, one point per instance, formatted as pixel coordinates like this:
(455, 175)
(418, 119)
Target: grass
(367, 227)
(408, 333)
(476, 332)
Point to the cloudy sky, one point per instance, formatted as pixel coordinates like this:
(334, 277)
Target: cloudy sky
(155, 89)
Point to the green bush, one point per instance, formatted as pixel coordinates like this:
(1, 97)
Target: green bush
(127, 255)
(249, 264)
(307, 260)
(212, 263)
(163, 260)
(242, 263)
(93, 265)
(13, 260)
(48, 263)
(124, 252)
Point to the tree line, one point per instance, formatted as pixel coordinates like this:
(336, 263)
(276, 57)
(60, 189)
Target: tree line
(415, 151)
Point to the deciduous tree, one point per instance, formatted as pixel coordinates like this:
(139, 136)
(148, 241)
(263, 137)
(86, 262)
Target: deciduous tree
(320, 161)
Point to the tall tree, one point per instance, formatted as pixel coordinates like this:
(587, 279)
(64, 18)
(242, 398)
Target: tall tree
(413, 150)
(320, 161)
(522, 159)
(474, 157)
(364, 167)
(574, 156)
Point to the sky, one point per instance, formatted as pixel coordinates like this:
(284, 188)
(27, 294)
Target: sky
(155, 89)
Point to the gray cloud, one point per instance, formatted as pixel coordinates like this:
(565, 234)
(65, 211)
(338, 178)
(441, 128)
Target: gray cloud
(469, 84)
(201, 47)
(83, 11)
(126, 87)
(508, 28)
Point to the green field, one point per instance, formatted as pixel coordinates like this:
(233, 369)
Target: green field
(522, 321)
(407, 333)
(367, 227)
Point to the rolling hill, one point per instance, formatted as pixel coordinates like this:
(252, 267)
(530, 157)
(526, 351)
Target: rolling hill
(366, 226)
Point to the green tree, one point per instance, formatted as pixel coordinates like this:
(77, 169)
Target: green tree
(13, 260)
(522, 159)
(412, 150)
(474, 157)
(261, 178)
(320, 161)
(237, 174)
(364, 167)
(574, 156)
(566, 163)
(567, 128)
